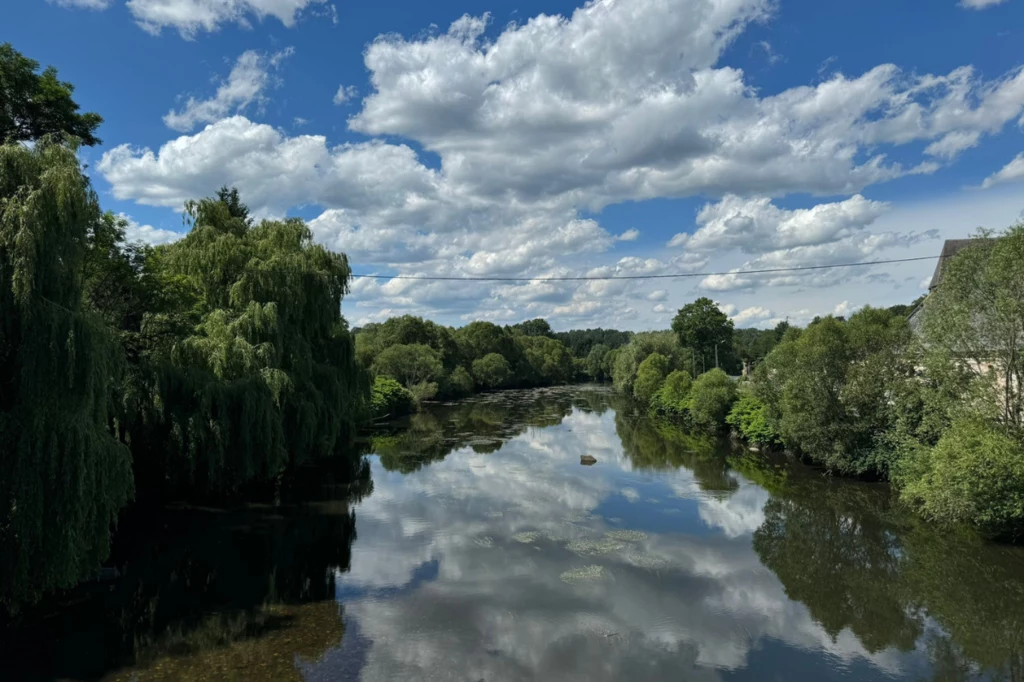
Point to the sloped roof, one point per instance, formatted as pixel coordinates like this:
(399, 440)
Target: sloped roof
(949, 249)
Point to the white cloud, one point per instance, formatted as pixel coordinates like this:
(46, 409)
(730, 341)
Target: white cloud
(657, 295)
(1008, 173)
(245, 85)
(190, 17)
(345, 93)
(845, 308)
(756, 225)
(83, 4)
(134, 232)
(754, 314)
(980, 4)
(534, 130)
(629, 235)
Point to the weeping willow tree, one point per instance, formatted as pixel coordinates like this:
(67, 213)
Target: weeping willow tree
(64, 474)
(267, 378)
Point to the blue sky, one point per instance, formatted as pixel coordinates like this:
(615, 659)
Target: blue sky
(531, 139)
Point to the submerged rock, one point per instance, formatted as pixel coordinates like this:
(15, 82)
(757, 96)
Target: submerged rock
(588, 460)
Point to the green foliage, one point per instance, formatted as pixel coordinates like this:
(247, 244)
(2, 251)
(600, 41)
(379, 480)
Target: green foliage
(595, 364)
(827, 390)
(749, 416)
(265, 375)
(33, 104)
(537, 327)
(491, 371)
(628, 358)
(974, 475)
(65, 474)
(374, 338)
(581, 341)
(753, 345)
(388, 398)
(544, 361)
(976, 316)
(478, 339)
(711, 397)
(410, 364)
(702, 327)
(460, 382)
(649, 377)
(674, 395)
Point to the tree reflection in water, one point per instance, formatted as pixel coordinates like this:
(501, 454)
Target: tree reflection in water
(250, 594)
(245, 594)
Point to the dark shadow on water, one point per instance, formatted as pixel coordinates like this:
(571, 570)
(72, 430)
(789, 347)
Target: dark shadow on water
(204, 594)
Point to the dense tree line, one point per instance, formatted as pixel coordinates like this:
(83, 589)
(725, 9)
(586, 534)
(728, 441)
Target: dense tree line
(194, 369)
(412, 359)
(581, 342)
(939, 413)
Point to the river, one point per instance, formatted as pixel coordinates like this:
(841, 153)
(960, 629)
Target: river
(475, 546)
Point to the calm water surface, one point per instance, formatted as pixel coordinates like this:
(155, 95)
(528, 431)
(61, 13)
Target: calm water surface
(479, 548)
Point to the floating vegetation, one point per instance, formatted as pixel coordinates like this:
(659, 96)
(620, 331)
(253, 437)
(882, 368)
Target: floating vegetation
(484, 541)
(583, 573)
(527, 537)
(594, 547)
(627, 535)
(553, 537)
(494, 514)
(651, 562)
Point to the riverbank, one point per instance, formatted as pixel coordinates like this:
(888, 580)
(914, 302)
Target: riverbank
(479, 536)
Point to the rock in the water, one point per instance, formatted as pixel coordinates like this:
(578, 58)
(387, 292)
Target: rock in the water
(587, 460)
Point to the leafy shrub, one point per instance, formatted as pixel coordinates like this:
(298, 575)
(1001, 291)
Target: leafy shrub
(491, 371)
(711, 396)
(388, 398)
(625, 363)
(749, 416)
(650, 375)
(411, 364)
(674, 395)
(975, 475)
(425, 390)
(460, 383)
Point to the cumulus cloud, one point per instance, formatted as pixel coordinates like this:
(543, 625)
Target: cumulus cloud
(845, 308)
(190, 17)
(756, 225)
(853, 249)
(433, 545)
(83, 4)
(980, 4)
(1008, 173)
(345, 93)
(629, 235)
(542, 125)
(751, 315)
(249, 78)
(154, 236)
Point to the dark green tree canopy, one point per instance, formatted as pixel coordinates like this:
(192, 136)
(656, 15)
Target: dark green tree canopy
(702, 326)
(35, 104)
(65, 475)
(537, 327)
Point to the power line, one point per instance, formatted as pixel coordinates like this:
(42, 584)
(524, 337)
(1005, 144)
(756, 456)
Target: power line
(625, 277)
